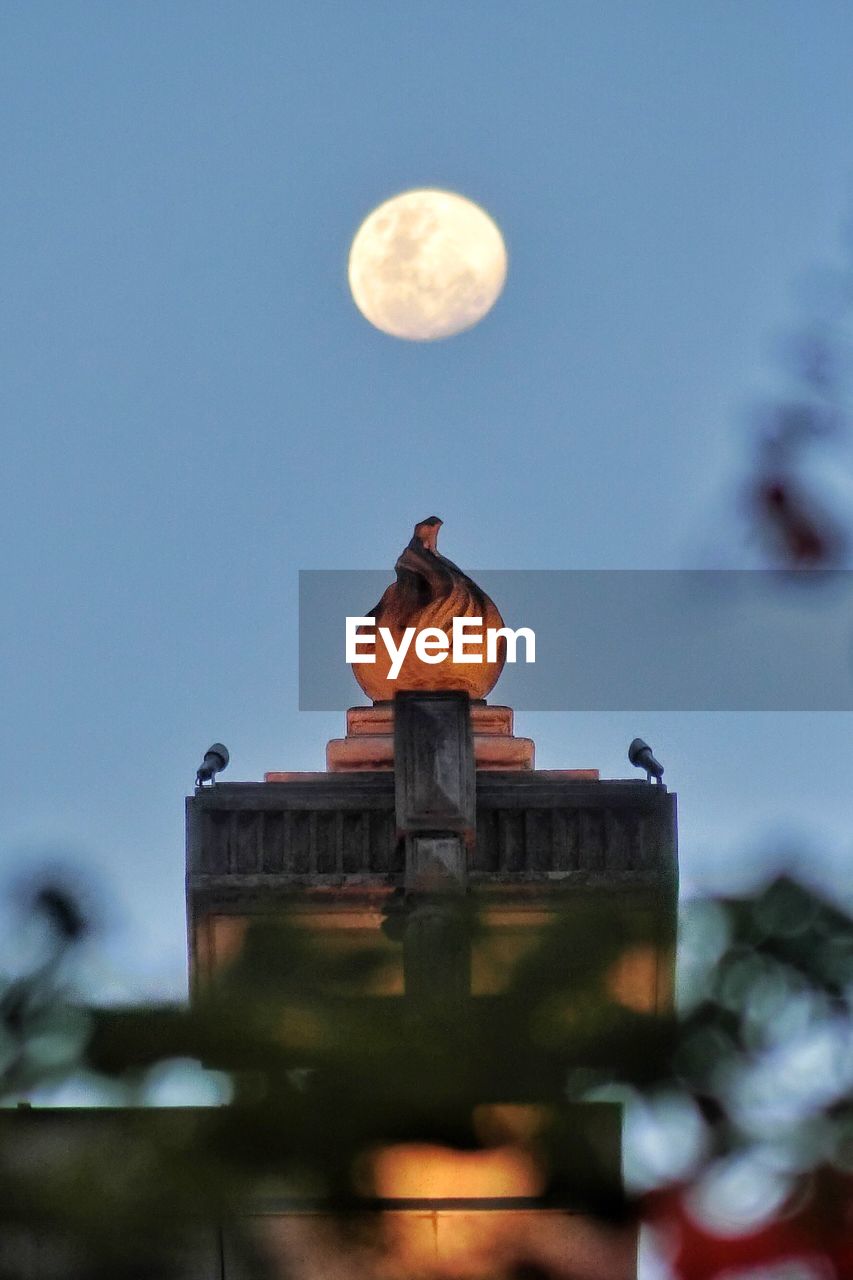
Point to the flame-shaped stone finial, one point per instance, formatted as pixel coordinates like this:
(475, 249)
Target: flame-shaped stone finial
(431, 591)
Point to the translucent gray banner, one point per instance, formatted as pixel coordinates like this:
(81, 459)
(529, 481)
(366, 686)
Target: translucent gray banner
(625, 640)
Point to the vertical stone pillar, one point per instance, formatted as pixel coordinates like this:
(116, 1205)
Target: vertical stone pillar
(435, 803)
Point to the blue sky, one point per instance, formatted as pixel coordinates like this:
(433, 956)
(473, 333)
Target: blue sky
(192, 409)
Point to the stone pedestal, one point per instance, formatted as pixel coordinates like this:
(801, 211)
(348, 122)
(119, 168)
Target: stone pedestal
(369, 744)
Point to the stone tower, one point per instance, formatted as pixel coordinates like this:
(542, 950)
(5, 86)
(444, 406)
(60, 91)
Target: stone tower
(428, 800)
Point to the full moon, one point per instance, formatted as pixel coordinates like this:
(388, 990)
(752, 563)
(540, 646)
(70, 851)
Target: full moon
(426, 264)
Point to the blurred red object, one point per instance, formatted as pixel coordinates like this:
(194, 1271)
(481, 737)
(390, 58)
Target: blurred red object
(816, 1232)
(803, 536)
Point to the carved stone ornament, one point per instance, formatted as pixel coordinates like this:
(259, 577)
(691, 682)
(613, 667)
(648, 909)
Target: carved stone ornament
(431, 591)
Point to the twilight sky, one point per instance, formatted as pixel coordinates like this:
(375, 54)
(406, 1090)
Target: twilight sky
(192, 409)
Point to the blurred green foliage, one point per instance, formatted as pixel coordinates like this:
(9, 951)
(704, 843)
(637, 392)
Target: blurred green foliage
(758, 1061)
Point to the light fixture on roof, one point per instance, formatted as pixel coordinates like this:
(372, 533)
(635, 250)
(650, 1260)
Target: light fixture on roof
(641, 757)
(215, 760)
